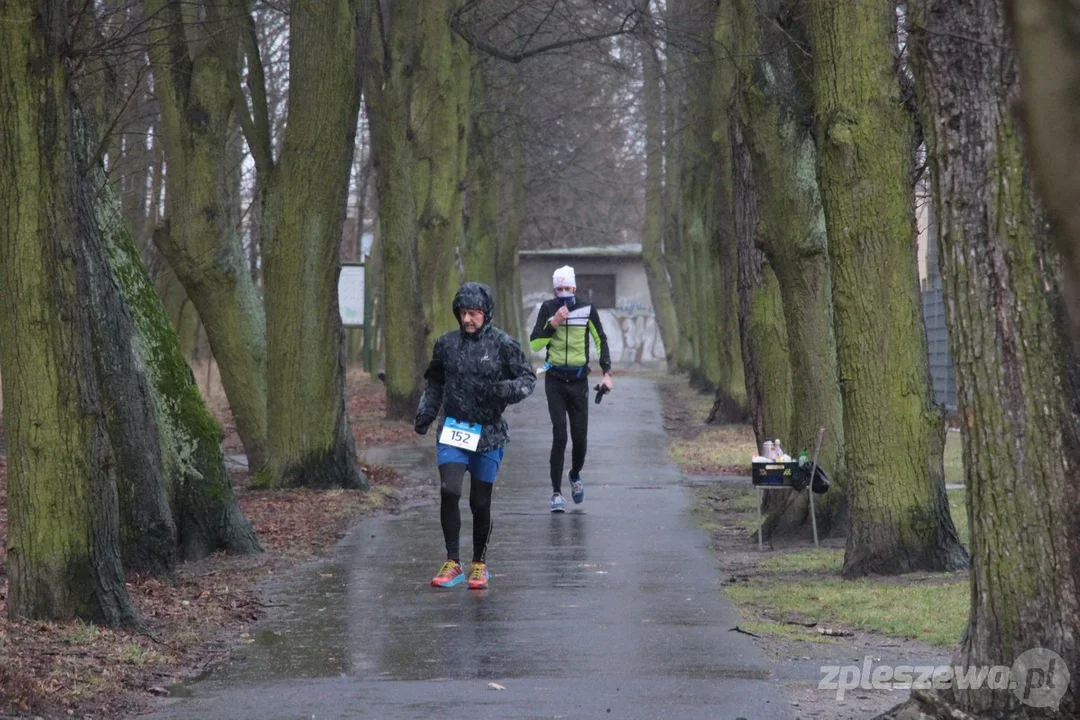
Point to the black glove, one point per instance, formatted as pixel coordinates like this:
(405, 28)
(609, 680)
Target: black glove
(422, 423)
(601, 391)
(502, 389)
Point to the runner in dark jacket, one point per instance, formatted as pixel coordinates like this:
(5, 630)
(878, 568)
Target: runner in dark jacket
(475, 373)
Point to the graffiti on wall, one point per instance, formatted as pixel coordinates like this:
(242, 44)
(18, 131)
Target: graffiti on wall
(632, 333)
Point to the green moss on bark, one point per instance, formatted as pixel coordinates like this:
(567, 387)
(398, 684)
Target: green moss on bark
(204, 508)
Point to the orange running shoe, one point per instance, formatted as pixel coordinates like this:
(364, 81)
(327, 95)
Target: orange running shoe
(450, 575)
(478, 576)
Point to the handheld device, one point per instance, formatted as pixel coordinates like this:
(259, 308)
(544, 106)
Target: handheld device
(601, 391)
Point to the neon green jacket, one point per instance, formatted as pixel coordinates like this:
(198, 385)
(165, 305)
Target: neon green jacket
(568, 345)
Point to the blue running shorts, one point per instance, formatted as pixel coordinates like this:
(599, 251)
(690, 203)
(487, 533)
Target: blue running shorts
(483, 466)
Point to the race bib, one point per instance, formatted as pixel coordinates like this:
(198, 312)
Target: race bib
(460, 434)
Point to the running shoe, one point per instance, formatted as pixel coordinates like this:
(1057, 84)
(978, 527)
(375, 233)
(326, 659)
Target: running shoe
(558, 503)
(450, 575)
(577, 490)
(478, 576)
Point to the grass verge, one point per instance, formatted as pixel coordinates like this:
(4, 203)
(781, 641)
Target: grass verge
(929, 609)
(790, 591)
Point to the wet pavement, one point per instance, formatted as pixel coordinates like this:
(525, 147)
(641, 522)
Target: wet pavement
(611, 610)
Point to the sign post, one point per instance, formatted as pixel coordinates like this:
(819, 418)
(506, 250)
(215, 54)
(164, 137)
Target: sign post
(351, 303)
(351, 294)
(369, 336)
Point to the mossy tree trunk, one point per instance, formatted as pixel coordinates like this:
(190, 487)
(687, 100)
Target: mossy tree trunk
(402, 307)
(418, 101)
(652, 251)
(147, 530)
(687, 184)
(676, 250)
(439, 100)
(168, 448)
(1016, 376)
(310, 441)
(204, 509)
(774, 107)
(730, 403)
(63, 542)
(482, 208)
(766, 358)
(896, 489)
(696, 187)
(706, 241)
(1049, 59)
(511, 189)
(192, 81)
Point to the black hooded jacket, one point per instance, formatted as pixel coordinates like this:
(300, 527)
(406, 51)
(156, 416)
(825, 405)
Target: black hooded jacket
(474, 377)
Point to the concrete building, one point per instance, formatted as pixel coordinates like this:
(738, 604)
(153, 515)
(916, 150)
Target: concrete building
(613, 279)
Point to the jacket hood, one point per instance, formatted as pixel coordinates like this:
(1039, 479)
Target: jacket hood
(474, 296)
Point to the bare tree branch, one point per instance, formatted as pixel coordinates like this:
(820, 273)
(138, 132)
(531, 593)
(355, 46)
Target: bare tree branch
(629, 25)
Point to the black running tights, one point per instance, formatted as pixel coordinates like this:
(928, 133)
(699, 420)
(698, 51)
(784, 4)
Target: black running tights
(567, 399)
(453, 477)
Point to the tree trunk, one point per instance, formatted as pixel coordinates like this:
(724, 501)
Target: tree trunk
(402, 306)
(652, 251)
(482, 207)
(439, 100)
(511, 187)
(310, 441)
(774, 112)
(699, 204)
(63, 542)
(147, 530)
(899, 514)
(416, 197)
(1049, 59)
(1016, 376)
(766, 362)
(204, 510)
(676, 249)
(200, 240)
(374, 274)
(730, 403)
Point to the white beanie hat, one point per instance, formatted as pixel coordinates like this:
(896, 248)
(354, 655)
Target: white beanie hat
(564, 276)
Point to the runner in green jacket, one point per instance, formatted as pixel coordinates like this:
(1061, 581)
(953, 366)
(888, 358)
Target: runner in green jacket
(567, 329)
